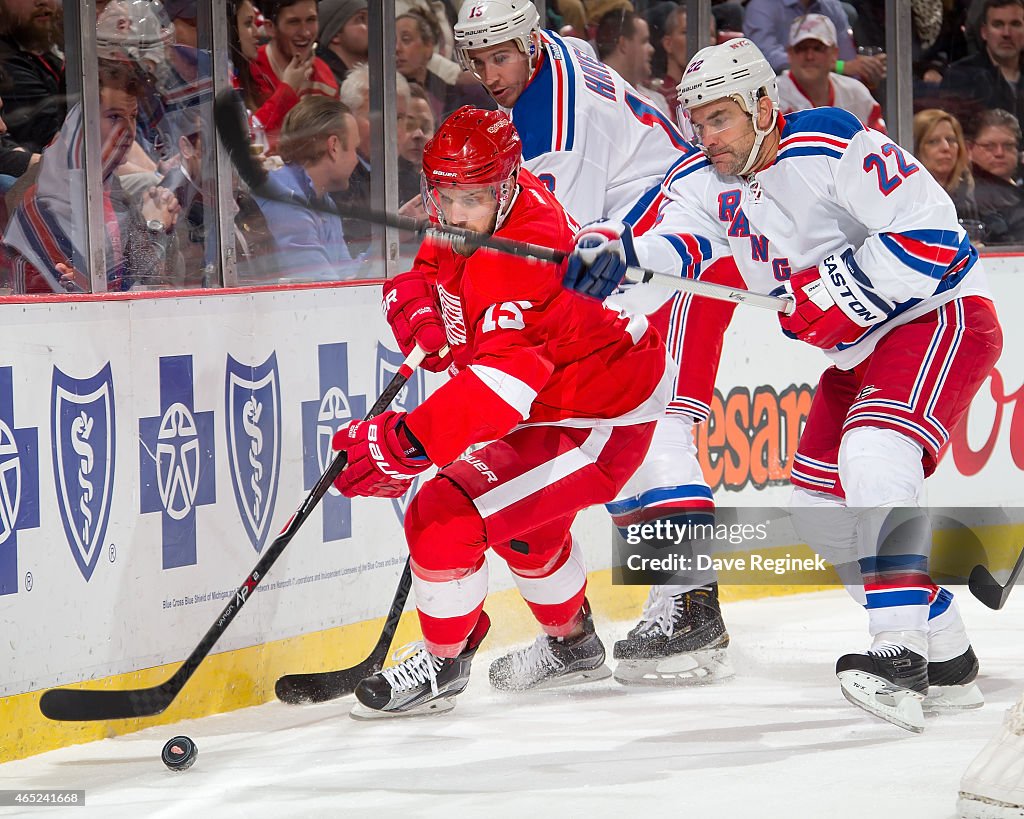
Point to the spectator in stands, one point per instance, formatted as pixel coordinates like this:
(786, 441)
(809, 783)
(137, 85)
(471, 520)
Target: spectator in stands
(44, 238)
(677, 54)
(624, 43)
(995, 157)
(287, 68)
(421, 127)
(939, 145)
(344, 35)
(992, 77)
(243, 43)
(183, 15)
(728, 20)
(574, 17)
(318, 145)
(30, 53)
(811, 82)
(767, 24)
(417, 34)
(355, 93)
(14, 160)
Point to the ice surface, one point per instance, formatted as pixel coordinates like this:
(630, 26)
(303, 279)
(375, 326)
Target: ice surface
(778, 740)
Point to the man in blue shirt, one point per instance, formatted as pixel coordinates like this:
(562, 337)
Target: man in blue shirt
(318, 144)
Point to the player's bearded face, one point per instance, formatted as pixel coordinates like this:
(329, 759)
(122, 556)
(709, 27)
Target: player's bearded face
(725, 132)
(473, 208)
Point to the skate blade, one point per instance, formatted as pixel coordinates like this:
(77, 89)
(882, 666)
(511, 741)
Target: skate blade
(588, 675)
(900, 706)
(428, 709)
(971, 806)
(694, 668)
(943, 698)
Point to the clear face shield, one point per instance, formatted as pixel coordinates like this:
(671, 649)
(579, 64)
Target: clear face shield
(705, 126)
(482, 208)
(505, 58)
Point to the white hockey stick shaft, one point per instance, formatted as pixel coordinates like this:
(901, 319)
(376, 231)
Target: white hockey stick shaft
(710, 290)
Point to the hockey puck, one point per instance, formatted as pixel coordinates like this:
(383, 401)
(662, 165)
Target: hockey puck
(179, 754)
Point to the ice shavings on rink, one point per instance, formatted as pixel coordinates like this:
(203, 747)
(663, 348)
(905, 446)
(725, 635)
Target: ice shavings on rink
(778, 740)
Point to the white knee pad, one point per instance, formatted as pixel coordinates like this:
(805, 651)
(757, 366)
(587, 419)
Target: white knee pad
(671, 459)
(880, 467)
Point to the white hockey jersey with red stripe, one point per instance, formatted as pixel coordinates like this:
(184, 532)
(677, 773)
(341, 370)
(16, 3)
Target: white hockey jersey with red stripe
(844, 92)
(836, 191)
(527, 350)
(599, 145)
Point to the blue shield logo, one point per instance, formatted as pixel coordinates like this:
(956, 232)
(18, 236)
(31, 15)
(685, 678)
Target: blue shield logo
(408, 398)
(82, 427)
(253, 411)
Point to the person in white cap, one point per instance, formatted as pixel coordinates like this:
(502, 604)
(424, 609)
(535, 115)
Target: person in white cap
(811, 81)
(887, 283)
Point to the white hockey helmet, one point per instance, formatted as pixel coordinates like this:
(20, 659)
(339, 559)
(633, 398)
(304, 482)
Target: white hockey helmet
(735, 69)
(484, 23)
(137, 31)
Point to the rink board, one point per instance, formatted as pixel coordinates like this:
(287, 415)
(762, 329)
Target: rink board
(150, 449)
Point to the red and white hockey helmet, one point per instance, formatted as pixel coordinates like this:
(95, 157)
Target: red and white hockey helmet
(473, 148)
(735, 69)
(484, 23)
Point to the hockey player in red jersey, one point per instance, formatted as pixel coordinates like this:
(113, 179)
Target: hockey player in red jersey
(603, 149)
(887, 283)
(565, 390)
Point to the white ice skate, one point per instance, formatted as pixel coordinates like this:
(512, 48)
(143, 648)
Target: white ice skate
(889, 680)
(993, 786)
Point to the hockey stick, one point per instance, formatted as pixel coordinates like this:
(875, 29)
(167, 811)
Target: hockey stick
(229, 117)
(987, 589)
(321, 686)
(72, 704)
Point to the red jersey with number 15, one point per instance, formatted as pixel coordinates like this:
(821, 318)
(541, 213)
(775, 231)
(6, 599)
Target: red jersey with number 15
(526, 350)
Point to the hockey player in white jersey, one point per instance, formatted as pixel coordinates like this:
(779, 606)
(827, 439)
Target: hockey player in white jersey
(887, 283)
(603, 149)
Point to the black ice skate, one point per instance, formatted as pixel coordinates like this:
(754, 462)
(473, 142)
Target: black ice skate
(680, 640)
(952, 664)
(553, 661)
(889, 680)
(421, 683)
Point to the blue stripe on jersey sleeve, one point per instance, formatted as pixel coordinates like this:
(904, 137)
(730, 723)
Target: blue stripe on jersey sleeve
(834, 121)
(916, 263)
(809, 150)
(570, 82)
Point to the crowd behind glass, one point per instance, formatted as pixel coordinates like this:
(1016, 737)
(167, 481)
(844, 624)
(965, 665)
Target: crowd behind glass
(301, 69)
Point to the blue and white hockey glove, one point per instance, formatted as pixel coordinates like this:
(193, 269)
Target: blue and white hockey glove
(603, 252)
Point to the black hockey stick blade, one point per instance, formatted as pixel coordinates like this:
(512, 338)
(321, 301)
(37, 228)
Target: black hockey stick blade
(321, 686)
(987, 589)
(81, 705)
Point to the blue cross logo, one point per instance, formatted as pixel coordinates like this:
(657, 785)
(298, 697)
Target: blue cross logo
(176, 462)
(321, 418)
(19, 483)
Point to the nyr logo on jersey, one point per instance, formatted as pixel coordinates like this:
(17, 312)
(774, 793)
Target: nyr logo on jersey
(408, 398)
(253, 414)
(19, 483)
(176, 462)
(82, 431)
(321, 419)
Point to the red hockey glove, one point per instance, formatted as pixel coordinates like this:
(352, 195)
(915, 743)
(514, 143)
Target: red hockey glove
(411, 309)
(817, 319)
(383, 457)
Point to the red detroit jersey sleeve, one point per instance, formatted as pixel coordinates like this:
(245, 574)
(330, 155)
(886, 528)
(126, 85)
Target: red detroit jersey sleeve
(526, 349)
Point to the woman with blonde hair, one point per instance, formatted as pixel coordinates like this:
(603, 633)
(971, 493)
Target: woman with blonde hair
(939, 144)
